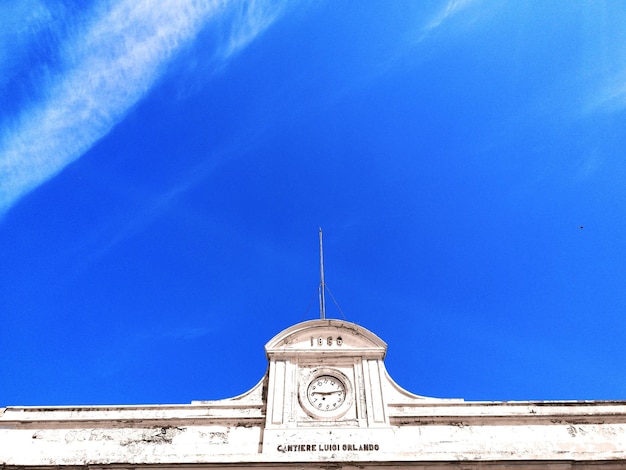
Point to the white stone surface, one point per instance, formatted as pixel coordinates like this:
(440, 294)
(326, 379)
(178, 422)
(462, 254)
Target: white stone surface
(375, 423)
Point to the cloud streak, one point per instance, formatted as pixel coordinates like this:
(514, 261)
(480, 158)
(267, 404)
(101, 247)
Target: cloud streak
(120, 54)
(450, 9)
(609, 97)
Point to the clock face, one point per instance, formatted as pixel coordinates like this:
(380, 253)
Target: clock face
(326, 393)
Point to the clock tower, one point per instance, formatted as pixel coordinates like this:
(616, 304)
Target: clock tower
(327, 378)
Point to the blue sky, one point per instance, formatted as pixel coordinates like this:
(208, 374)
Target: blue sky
(165, 166)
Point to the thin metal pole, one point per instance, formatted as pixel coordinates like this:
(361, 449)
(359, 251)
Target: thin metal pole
(322, 285)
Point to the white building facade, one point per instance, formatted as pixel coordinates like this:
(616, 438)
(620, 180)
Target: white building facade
(326, 401)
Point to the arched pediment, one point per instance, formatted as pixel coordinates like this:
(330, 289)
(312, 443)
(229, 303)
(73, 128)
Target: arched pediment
(324, 337)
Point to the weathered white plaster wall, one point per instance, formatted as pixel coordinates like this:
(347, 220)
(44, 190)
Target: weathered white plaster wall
(377, 425)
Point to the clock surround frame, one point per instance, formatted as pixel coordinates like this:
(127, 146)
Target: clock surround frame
(320, 414)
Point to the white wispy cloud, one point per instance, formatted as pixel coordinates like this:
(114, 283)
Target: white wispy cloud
(188, 333)
(249, 18)
(105, 70)
(608, 96)
(451, 8)
(20, 25)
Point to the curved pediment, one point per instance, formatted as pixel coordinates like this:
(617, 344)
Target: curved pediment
(323, 337)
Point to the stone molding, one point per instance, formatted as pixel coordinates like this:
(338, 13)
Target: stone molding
(359, 418)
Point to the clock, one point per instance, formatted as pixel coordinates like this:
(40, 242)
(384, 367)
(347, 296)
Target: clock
(326, 393)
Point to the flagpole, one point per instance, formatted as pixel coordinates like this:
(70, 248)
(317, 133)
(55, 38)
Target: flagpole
(322, 285)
